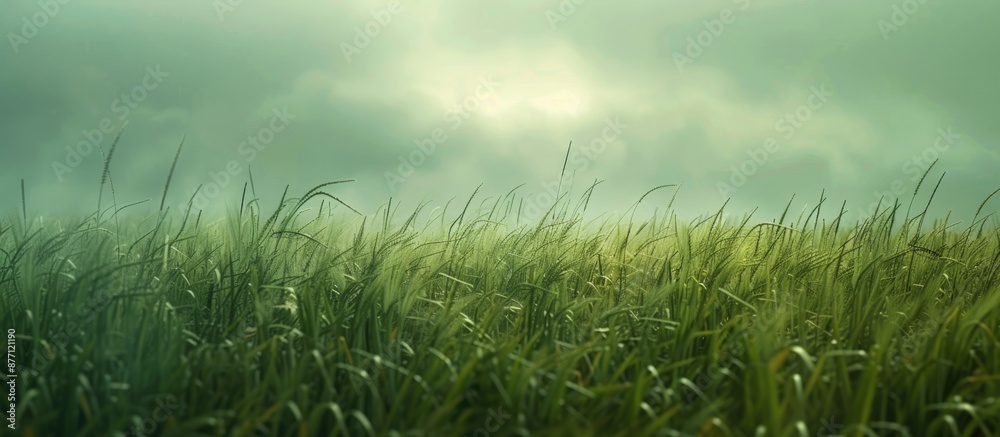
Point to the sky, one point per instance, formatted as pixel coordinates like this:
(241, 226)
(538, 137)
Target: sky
(741, 101)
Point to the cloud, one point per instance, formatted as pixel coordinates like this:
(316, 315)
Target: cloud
(606, 60)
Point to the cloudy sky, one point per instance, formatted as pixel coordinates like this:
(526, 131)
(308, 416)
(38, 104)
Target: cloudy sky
(748, 100)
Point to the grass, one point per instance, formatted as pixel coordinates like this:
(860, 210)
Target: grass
(300, 322)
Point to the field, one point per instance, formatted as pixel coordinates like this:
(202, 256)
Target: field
(302, 318)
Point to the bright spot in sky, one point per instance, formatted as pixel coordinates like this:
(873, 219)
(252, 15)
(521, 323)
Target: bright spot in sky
(560, 103)
(520, 89)
(534, 94)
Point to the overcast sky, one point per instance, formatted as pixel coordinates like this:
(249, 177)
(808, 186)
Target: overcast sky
(753, 100)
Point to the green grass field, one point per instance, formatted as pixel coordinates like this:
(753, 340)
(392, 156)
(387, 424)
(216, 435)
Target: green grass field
(298, 319)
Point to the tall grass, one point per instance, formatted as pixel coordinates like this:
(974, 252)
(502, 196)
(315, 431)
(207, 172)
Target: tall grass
(283, 324)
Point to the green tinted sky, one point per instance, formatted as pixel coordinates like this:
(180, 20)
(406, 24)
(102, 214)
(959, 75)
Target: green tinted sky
(694, 89)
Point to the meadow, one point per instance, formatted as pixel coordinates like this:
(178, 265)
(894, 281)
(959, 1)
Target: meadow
(303, 318)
